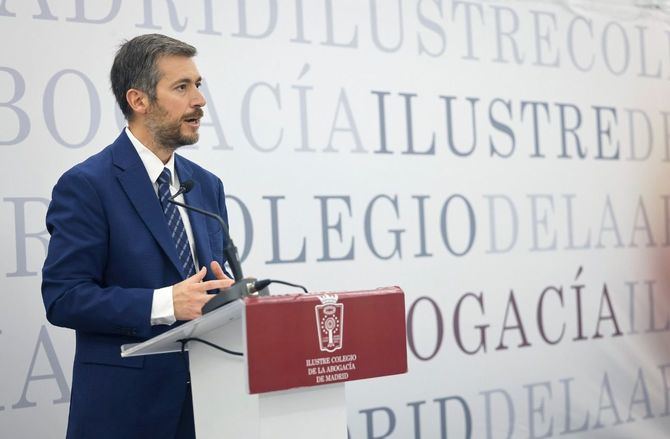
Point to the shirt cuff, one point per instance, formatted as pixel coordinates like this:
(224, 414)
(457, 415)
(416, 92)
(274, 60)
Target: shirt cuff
(162, 308)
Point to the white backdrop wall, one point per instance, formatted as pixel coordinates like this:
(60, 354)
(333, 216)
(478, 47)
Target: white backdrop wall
(505, 163)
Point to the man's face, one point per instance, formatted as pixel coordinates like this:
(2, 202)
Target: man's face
(174, 117)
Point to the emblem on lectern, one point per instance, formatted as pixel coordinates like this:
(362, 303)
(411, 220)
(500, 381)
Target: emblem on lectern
(329, 323)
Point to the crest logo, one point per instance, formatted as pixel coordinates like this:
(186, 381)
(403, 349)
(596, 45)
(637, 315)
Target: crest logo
(329, 323)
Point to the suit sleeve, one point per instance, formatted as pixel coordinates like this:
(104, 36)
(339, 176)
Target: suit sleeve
(223, 212)
(222, 202)
(73, 288)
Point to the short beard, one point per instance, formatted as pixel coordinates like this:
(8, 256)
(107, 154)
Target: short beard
(167, 133)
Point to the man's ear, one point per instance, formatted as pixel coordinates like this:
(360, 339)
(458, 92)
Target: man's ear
(138, 100)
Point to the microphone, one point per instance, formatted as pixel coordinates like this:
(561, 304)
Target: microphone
(230, 251)
(183, 188)
(242, 286)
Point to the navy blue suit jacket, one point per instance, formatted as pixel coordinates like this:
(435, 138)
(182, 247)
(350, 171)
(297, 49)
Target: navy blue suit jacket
(110, 248)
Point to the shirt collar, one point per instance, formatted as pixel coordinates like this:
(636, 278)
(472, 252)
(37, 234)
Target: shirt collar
(152, 163)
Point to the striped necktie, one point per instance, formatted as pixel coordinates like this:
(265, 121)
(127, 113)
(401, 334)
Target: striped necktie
(175, 224)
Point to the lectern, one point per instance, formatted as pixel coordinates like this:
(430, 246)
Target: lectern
(297, 353)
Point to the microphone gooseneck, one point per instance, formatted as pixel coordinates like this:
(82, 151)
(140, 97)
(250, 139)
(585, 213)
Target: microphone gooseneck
(242, 287)
(230, 251)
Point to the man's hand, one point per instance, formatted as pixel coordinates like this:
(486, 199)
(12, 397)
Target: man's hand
(190, 295)
(218, 272)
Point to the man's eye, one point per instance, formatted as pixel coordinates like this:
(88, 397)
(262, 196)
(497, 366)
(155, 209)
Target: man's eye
(181, 87)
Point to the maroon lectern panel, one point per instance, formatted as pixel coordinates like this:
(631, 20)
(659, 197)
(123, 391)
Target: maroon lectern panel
(312, 339)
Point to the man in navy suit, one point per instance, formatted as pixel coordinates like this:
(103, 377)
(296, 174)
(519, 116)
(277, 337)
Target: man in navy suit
(122, 262)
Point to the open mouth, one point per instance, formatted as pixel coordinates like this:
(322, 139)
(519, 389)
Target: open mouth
(193, 121)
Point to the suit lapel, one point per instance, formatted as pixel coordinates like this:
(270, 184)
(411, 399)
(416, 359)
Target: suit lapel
(140, 191)
(198, 221)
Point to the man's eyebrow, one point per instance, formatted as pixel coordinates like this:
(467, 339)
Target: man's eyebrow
(187, 80)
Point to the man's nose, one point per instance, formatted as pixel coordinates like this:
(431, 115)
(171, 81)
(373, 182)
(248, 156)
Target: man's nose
(198, 99)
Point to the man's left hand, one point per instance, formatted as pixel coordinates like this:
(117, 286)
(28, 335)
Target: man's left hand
(218, 272)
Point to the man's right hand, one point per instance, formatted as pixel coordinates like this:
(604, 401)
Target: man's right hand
(190, 295)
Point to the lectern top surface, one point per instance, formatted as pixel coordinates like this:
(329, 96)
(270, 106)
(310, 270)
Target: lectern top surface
(169, 341)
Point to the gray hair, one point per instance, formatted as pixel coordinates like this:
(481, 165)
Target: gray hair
(135, 65)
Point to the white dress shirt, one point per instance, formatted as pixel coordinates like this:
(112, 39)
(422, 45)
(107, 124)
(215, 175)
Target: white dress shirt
(162, 307)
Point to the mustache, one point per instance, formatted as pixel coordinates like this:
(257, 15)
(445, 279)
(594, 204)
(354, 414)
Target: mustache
(198, 113)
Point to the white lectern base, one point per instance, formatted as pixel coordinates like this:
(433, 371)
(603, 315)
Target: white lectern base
(223, 406)
(224, 409)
